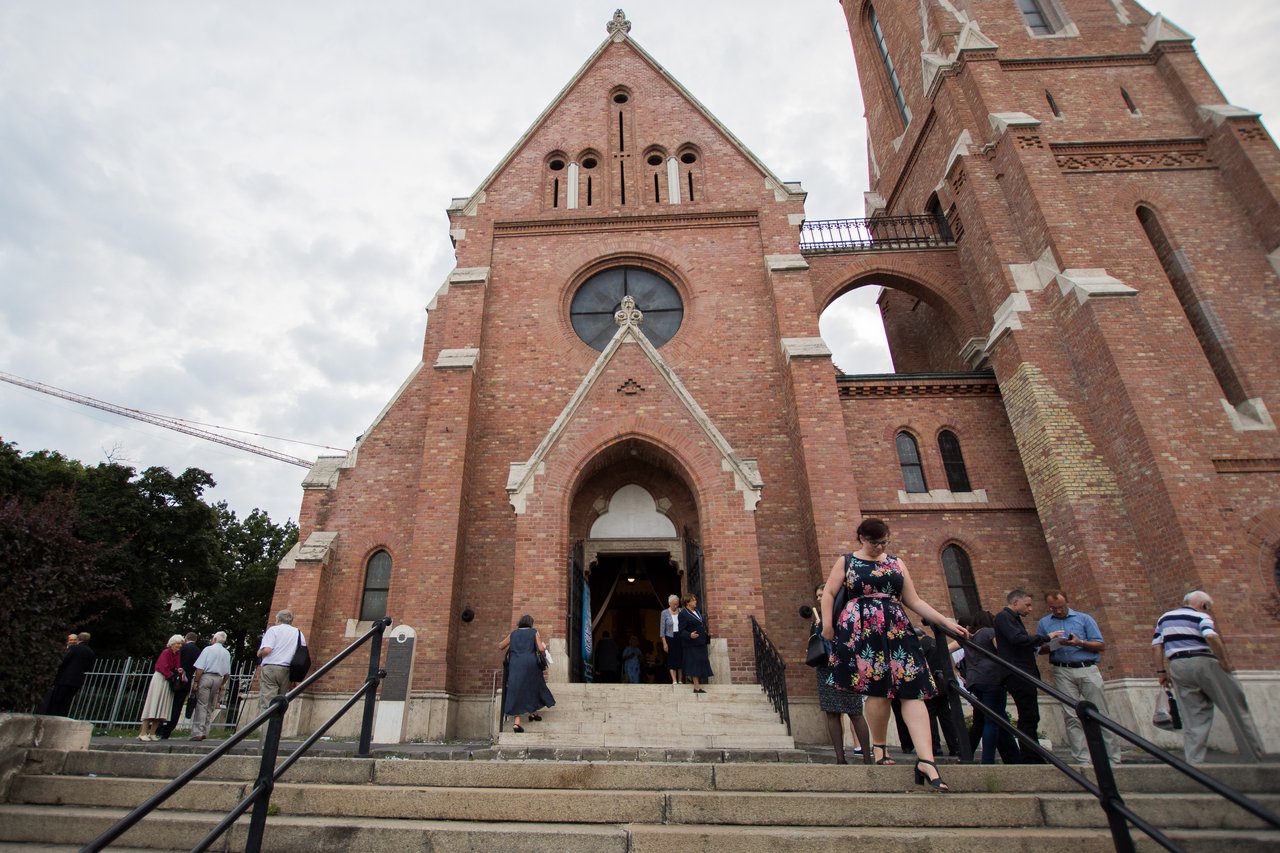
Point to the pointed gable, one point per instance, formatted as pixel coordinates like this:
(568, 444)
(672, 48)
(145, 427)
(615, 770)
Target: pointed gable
(626, 365)
(621, 122)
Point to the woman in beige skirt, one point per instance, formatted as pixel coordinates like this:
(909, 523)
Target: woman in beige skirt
(159, 702)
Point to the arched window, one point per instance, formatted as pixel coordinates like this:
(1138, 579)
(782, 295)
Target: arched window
(1037, 17)
(878, 34)
(959, 572)
(953, 462)
(555, 193)
(377, 583)
(909, 460)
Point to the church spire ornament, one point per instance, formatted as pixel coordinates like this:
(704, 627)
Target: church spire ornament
(619, 26)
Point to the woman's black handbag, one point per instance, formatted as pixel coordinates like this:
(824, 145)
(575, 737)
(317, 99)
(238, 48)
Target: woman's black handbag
(542, 660)
(178, 683)
(817, 653)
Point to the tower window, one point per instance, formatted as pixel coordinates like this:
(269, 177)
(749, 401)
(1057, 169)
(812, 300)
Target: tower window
(377, 584)
(953, 462)
(1037, 20)
(892, 74)
(1053, 105)
(909, 461)
(960, 584)
(1128, 101)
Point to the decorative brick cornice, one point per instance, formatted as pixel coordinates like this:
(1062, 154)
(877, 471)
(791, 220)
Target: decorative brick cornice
(1132, 155)
(1040, 62)
(1261, 465)
(919, 385)
(597, 224)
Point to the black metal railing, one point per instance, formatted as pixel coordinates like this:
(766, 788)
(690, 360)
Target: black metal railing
(259, 797)
(1119, 816)
(881, 234)
(771, 672)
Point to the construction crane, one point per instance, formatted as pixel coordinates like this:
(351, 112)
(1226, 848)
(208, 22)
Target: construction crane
(155, 420)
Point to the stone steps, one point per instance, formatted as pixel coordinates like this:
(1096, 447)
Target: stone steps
(58, 828)
(654, 716)
(338, 803)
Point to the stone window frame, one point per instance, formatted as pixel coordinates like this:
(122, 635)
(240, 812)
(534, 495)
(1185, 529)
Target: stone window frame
(965, 583)
(955, 469)
(904, 465)
(1056, 21)
(367, 587)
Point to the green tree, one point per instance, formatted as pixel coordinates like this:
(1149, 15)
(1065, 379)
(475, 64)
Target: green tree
(236, 598)
(48, 584)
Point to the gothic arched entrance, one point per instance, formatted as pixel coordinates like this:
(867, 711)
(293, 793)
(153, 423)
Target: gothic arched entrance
(634, 525)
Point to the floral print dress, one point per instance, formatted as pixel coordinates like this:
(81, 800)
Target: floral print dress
(875, 651)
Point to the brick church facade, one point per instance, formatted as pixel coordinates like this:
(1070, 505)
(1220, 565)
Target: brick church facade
(623, 392)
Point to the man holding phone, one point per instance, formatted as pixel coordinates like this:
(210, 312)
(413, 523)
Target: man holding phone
(1074, 655)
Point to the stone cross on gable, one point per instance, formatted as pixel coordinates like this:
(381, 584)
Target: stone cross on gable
(619, 26)
(628, 314)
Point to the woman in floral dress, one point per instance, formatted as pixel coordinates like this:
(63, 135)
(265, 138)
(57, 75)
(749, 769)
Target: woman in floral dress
(875, 651)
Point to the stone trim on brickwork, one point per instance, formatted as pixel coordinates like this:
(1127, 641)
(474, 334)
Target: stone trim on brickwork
(1249, 416)
(1000, 122)
(1161, 29)
(1035, 276)
(1088, 284)
(324, 473)
(351, 458)
(521, 475)
(794, 348)
(1006, 317)
(318, 548)
(785, 263)
(600, 224)
(457, 359)
(942, 496)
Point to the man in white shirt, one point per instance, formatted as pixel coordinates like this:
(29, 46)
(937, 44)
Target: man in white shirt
(212, 670)
(276, 653)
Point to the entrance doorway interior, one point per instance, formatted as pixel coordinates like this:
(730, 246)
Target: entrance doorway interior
(628, 594)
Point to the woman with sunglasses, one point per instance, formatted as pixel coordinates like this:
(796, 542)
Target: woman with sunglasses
(875, 651)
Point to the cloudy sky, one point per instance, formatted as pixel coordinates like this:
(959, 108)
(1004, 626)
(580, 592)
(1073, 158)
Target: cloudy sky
(234, 213)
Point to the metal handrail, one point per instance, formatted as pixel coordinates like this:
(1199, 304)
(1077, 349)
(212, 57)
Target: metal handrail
(879, 234)
(260, 795)
(771, 672)
(1119, 815)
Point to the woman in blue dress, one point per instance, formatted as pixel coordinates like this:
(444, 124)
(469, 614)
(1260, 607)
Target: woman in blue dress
(875, 651)
(526, 689)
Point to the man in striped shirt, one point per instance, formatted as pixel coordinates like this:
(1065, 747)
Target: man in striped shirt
(1190, 655)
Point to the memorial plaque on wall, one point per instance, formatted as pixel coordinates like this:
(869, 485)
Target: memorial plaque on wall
(395, 687)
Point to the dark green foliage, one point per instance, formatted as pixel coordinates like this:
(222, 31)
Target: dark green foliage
(133, 558)
(237, 596)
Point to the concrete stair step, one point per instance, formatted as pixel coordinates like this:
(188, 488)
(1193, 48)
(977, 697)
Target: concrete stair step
(677, 774)
(52, 828)
(654, 740)
(586, 806)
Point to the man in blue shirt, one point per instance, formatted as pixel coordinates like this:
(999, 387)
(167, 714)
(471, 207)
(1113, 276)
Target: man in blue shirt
(1074, 655)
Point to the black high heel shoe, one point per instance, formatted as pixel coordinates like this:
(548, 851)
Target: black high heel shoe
(517, 728)
(936, 783)
(884, 759)
(537, 718)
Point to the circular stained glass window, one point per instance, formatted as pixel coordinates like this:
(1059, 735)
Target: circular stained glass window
(593, 306)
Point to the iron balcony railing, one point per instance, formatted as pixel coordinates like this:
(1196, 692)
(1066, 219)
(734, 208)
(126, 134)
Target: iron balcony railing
(881, 234)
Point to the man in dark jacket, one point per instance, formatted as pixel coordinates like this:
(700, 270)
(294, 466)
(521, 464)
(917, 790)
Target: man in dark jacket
(189, 652)
(76, 661)
(1016, 646)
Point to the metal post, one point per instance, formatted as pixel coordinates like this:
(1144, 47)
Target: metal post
(371, 687)
(1106, 778)
(266, 775)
